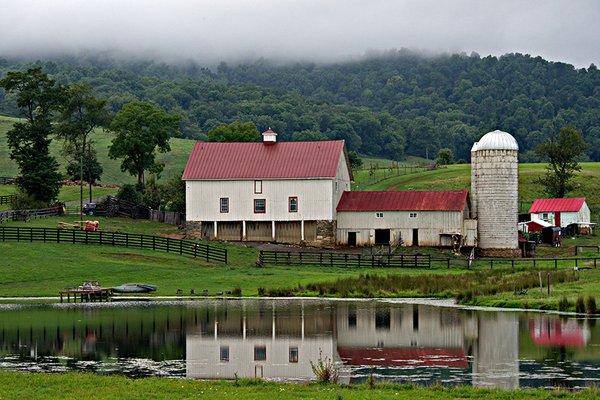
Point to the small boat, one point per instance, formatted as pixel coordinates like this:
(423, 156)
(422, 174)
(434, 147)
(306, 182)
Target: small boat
(135, 288)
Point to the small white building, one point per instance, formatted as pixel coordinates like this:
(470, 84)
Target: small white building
(413, 218)
(561, 212)
(270, 191)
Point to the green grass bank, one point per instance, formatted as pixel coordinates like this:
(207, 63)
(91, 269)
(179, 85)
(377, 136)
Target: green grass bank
(87, 386)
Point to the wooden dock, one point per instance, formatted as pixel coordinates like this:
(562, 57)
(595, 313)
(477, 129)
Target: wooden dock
(86, 295)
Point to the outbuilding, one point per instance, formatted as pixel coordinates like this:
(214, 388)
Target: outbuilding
(410, 218)
(561, 212)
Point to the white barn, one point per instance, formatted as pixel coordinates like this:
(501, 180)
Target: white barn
(561, 212)
(285, 192)
(414, 218)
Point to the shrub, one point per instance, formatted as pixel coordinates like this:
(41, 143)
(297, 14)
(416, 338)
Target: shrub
(237, 291)
(24, 201)
(131, 194)
(591, 305)
(325, 370)
(261, 291)
(563, 304)
(580, 306)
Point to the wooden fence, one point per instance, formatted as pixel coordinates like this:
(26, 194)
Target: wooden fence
(157, 243)
(417, 261)
(6, 199)
(7, 180)
(344, 259)
(25, 215)
(168, 217)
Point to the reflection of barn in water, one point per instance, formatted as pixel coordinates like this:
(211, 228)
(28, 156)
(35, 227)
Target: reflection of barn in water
(278, 341)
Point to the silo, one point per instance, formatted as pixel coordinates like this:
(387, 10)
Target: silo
(495, 192)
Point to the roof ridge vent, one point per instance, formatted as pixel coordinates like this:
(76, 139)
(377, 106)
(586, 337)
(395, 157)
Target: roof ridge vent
(269, 136)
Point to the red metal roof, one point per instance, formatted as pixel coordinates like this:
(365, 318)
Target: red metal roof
(255, 160)
(396, 357)
(451, 200)
(557, 205)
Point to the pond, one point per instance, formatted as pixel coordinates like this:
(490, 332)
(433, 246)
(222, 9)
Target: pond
(278, 340)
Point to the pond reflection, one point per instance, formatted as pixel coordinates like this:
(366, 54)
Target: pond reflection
(278, 340)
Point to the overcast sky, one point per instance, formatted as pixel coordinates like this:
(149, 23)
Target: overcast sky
(315, 30)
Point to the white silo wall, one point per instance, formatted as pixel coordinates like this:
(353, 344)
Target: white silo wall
(496, 191)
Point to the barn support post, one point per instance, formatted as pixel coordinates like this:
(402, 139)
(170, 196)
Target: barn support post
(244, 230)
(273, 230)
(215, 230)
(302, 230)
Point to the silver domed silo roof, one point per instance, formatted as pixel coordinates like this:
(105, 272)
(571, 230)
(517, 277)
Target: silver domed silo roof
(496, 140)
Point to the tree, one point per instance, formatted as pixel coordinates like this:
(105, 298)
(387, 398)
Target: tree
(172, 194)
(90, 171)
(563, 152)
(141, 129)
(355, 160)
(37, 98)
(445, 156)
(236, 131)
(80, 113)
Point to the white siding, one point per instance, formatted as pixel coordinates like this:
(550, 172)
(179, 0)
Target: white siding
(315, 200)
(341, 182)
(429, 223)
(566, 218)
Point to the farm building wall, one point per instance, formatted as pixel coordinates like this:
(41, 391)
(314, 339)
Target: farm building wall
(495, 194)
(431, 226)
(566, 218)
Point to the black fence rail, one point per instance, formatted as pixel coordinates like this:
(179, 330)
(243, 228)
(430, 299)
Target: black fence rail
(580, 249)
(26, 215)
(6, 199)
(157, 243)
(344, 259)
(333, 259)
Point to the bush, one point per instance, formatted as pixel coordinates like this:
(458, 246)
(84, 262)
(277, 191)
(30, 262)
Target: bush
(261, 291)
(24, 201)
(131, 194)
(564, 304)
(580, 306)
(591, 305)
(325, 370)
(237, 291)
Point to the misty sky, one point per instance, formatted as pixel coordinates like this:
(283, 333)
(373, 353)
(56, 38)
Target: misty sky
(289, 30)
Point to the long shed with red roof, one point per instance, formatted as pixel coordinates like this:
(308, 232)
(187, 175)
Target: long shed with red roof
(266, 191)
(413, 218)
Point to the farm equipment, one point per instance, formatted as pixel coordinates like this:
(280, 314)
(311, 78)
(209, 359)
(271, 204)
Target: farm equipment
(89, 226)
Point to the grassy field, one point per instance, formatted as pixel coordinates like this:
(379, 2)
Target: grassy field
(67, 193)
(458, 177)
(174, 160)
(87, 386)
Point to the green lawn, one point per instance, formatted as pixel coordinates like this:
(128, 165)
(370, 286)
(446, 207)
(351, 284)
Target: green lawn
(18, 386)
(67, 193)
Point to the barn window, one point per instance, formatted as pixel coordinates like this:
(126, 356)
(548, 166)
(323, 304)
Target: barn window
(257, 187)
(379, 215)
(413, 215)
(260, 206)
(224, 354)
(260, 353)
(224, 204)
(293, 354)
(293, 204)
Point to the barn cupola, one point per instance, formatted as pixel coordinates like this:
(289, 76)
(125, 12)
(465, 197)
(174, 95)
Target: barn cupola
(269, 136)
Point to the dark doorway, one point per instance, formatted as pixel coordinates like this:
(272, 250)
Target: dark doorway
(382, 236)
(351, 238)
(415, 241)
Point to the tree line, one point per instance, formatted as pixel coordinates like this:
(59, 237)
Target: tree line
(398, 104)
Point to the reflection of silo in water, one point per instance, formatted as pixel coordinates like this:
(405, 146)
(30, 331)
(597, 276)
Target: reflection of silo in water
(496, 354)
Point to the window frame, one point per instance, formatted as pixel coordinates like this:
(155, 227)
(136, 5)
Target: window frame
(264, 209)
(297, 355)
(413, 215)
(379, 215)
(257, 189)
(290, 204)
(260, 347)
(221, 205)
(221, 358)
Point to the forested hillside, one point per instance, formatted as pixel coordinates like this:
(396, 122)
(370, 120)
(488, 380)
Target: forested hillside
(390, 106)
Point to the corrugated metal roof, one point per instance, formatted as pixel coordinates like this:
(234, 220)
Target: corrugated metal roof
(557, 205)
(451, 200)
(256, 160)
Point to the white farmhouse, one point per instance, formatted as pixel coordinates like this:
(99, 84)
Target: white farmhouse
(269, 191)
(413, 218)
(561, 212)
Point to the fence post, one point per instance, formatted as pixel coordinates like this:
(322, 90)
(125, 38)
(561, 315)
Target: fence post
(512, 264)
(289, 256)
(30, 234)
(415, 261)
(346, 259)
(300, 256)
(595, 259)
(126, 239)
(448, 262)
(180, 247)
(331, 259)
(73, 235)
(534, 263)
(208, 253)
(100, 237)
(44, 230)
(142, 241)
(153, 242)
(359, 258)
(195, 250)
(429, 260)
(555, 263)
(576, 263)
(58, 236)
(86, 237)
(168, 245)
